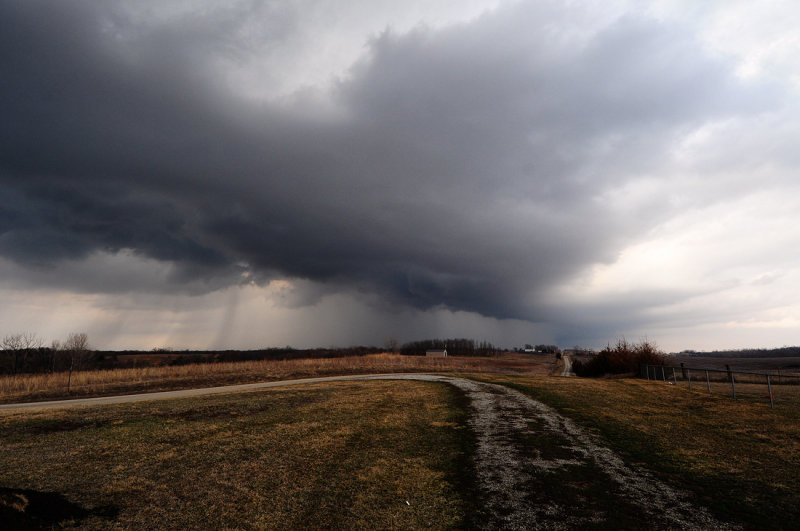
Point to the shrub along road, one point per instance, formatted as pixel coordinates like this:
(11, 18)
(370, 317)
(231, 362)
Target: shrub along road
(535, 468)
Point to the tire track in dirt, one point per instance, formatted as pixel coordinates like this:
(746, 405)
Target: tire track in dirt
(510, 476)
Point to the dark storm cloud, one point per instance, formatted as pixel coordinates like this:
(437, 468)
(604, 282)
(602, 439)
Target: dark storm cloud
(462, 167)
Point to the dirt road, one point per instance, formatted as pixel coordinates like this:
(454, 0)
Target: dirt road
(539, 470)
(567, 366)
(536, 469)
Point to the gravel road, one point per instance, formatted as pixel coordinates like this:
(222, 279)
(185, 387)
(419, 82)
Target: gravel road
(510, 475)
(567, 366)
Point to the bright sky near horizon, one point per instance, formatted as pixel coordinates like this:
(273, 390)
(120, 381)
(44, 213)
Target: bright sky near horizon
(244, 174)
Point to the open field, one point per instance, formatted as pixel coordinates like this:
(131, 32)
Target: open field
(247, 452)
(38, 387)
(783, 387)
(739, 457)
(361, 455)
(527, 466)
(787, 364)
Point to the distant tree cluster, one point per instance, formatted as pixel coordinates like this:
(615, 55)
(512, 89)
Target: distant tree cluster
(289, 353)
(582, 351)
(25, 353)
(19, 350)
(783, 352)
(622, 358)
(455, 347)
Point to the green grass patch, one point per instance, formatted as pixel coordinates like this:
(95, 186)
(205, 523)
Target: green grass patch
(353, 455)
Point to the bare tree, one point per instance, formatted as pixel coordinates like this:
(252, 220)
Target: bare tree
(19, 346)
(391, 345)
(76, 346)
(55, 348)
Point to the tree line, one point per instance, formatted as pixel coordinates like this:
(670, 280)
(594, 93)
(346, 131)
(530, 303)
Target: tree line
(25, 353)
(782, 352)
(455, 347)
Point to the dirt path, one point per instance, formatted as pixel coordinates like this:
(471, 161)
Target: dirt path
(567, 366)
(518, 484)
(536, 469)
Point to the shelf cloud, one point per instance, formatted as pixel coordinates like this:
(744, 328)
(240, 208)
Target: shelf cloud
(502, 164)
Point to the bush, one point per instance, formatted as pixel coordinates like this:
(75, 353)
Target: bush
(623, 358)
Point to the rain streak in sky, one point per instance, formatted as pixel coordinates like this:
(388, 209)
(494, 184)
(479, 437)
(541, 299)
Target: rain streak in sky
(246, 174)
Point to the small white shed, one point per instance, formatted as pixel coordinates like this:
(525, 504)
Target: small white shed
(436, 353)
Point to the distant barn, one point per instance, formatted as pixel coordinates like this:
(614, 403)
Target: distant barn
(436, 353)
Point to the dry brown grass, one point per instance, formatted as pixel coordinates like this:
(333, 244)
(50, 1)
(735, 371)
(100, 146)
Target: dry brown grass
(341, 455)
(789, 365)
(366, 455)
(37, 387)
(740, 457)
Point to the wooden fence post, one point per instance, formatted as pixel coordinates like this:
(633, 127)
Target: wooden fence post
(683, 370)
(689, 377)
(769, 388)
(663, 376)
(674, 378)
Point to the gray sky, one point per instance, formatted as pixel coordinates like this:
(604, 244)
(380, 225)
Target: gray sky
(243, 174)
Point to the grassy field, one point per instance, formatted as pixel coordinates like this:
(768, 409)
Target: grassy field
(740, 457)
(362, 455)
(37, 387)
(351, 454)
(790, 365)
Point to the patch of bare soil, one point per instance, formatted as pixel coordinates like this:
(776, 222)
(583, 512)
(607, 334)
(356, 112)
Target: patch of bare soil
(30, 509)
(539, 470)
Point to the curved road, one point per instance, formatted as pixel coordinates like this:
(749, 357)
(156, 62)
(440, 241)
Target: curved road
(509, 471)
(184, 393)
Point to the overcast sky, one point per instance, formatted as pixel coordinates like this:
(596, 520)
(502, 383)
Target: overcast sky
(243, 174)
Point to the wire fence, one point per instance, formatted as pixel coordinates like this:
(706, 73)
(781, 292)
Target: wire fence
(768, 385)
